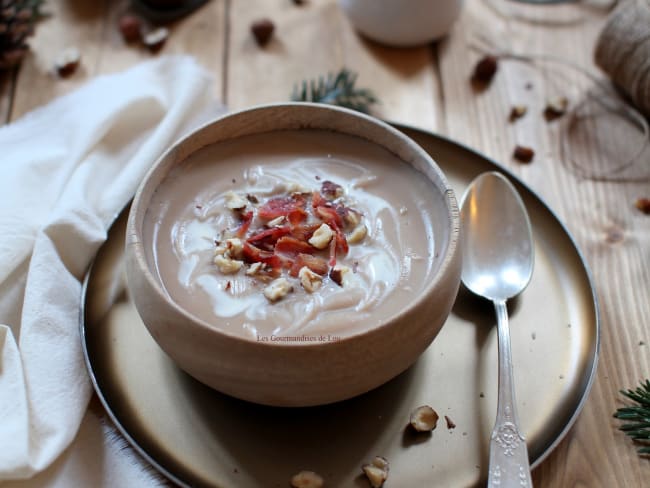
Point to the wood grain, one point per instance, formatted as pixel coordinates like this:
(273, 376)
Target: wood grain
(611, 233)
(6, 95)
(93, 28)
(429, 87)
(314, 39)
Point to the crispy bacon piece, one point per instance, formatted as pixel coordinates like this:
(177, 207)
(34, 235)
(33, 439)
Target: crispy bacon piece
(338, 245)
(333, 219)
(292, 246)
(291, 207)
(296, 216)
(304, 232)
(330, 216)
(287, 247)
(245, 223)
(316, 264)
(317, 199)
(341, 242)
(253, 254)
(266, 239)
(332, 261)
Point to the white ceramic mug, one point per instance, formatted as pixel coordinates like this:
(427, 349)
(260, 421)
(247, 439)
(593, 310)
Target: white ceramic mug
(402, 22)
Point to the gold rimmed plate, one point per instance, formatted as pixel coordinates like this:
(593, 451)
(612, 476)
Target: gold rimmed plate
(199, 437)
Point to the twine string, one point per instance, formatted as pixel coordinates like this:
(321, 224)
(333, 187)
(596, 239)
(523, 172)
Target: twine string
(608, 98)
(553, 14)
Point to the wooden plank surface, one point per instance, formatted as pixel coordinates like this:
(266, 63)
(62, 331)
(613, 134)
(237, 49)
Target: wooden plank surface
(316, 38)
(429, 87)
(92, 27)
(6, 95)
(612, 234)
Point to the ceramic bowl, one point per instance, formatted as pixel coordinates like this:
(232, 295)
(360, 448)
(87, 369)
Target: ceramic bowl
(402, 23)
(306, 373)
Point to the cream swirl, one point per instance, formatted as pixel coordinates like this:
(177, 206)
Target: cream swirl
(389, 266)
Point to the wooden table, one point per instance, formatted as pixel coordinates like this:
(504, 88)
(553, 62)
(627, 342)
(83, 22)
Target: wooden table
(429, 87)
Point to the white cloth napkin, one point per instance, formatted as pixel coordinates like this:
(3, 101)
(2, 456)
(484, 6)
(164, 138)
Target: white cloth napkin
(66, 170)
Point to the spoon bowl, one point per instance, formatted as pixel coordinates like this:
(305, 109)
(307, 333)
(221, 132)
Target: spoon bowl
(497, 243)
(498, 257)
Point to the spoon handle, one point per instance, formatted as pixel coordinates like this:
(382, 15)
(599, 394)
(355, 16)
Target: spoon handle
(509, 465)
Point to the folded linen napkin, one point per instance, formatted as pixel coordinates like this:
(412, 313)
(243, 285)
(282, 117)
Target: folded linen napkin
(66, 170)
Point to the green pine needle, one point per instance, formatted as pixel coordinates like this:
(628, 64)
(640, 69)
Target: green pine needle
(336, 89)
(35, 6)
(637, 417)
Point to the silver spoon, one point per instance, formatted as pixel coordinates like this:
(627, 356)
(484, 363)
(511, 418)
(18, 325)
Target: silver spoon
(498, 260)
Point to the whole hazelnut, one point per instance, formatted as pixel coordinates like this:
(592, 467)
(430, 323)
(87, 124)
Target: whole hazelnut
(643, 204)
(523, 154)
(130, 27)
(262, 31)
(485, 69)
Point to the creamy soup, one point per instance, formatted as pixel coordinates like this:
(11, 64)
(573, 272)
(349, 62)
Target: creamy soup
(292, 236)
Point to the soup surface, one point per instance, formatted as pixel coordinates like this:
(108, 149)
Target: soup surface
(292, 236)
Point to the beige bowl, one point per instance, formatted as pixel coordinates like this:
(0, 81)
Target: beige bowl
(306, 373)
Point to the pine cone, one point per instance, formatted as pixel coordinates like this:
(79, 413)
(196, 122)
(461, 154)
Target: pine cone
(17, 20)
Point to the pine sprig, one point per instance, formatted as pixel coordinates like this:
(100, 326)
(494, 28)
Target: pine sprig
(637, 417)
(17, 23)
(335, 89)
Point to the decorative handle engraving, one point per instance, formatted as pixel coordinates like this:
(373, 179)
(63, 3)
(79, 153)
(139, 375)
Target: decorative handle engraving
(509, 466)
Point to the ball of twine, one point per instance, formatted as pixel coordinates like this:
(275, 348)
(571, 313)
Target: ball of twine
(623, 51)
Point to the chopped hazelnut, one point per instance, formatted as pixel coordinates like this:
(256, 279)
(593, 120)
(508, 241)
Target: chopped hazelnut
(331, 190)
(255, 268)
(381, 462)
(262, 31)
(227, 265)
(358, 234)
(294, 187)
(235, 201)
(68, 61)
(235, 248)
(156, 39)
(450, 423)
(523, 154)
(376, 475)
(309, 280)
(306, 479)
(276, 221)
(278, 289)
(485, 69)
(424, 419)
(337, 274)
(517, 112)
(321, 237)
(352, 218)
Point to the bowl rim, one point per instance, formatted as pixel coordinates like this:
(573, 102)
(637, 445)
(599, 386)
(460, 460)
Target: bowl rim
(451, 250)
